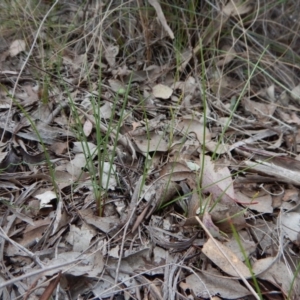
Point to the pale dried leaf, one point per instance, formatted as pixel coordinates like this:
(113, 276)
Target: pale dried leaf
(46, 198)
(2, 156)
(284, 169)
(61, 220)
(114, 252)
(135, 125)
(189, 125)
(161, 17)
(217, 181)
(105, 224)
(218, 258)
(91, 265)
(271, 92)
(138, 260)
(16, 47)
(30, 96)
(291, 225)
(263, 111)
(211, 227)
(59, 148)
(80, 238)
(87, 128)
(224, 85)
(108, 176)
(291, 195)
(31, 235)
(165, 190)
(110, 54)
(106, 110)
(278, 274)
(117, 86)
(75, 166)
(72, 59)
(105, 287)
(49, 134)
(62, 177)
(216, 147)
(262, 204)
(295, 93)
(193, 166)
(229, 55)
(237, 7)
(162, 91)
(259, 135)
(185, 58)
(226, 215)
(177, 170)
(151, 142)
(88, 147)
(248, 247)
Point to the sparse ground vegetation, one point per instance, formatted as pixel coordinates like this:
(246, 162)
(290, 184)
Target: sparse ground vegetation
(149, 149)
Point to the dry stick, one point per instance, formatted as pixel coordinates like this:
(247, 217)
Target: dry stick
(135, 275)
(145, 31)
(230, 262)
(275, 119)
(24, 65)
(17, 245)
(50, 288)
(136, 199)
(12, 281)
(84, 252)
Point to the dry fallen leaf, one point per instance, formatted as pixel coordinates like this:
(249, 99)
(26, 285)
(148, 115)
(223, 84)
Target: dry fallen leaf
(204, 284)
(105, 224)
(226, 58)
(282, 168)
(16, 47)
(291, 225)
(80, 238)
(295, 93)
(110, 54)
(263, 111)
(188, 125)
(262, 204)
(91, 265)
(211, 227)
(237, 7)
(162, 91)
(222, 257)
(46, 198)
(226, 215)
(151, 142)
(161, 17)
(87, 127)
(117, 86)
(217, 181)
(278, 274)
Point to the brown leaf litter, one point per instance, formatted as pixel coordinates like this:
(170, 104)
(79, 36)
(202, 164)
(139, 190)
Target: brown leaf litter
(149, 150)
